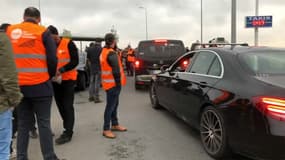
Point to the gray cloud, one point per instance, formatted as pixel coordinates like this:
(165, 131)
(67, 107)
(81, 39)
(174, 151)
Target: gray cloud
(179, 19)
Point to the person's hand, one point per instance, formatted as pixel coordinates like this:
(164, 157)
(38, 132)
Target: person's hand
(57, 74)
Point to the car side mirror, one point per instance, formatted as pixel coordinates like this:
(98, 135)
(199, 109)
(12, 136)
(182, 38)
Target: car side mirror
(164, 68)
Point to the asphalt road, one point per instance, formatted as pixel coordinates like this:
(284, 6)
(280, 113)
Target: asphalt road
(152, 134)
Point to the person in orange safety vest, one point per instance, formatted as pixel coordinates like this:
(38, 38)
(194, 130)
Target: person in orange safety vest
(113, 78)
(35, 57)
(130, 60)
(64, 83)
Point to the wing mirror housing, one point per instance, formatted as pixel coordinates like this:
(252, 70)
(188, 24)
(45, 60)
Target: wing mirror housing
(164, 68)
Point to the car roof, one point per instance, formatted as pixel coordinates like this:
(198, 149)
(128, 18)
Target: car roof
(242, 49)
(143, 41)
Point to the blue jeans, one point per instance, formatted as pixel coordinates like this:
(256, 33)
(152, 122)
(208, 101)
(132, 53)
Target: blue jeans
(110, 115)
(95, 81)
(5, 134)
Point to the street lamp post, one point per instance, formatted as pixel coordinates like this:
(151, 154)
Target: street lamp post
(40, 5)
(201, 21)
(146, 32)
(234, 19)
(256, 28)
(40, 11)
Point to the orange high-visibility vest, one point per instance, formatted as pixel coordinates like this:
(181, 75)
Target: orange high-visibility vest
(29, 53)
(131, 55)
(63, 57)
(108, 80)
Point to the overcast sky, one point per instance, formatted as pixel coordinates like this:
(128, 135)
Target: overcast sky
(175, 19)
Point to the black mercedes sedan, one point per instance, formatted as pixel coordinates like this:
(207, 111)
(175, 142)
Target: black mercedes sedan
(234, 96)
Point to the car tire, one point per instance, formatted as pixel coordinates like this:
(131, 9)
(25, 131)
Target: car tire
(81, 81)
(153, 97)
(213, 134)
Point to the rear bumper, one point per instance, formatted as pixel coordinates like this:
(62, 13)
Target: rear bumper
(270, 145)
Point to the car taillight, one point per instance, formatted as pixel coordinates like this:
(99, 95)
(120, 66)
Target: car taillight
(160, 42)
(137, 64)
(274, 107)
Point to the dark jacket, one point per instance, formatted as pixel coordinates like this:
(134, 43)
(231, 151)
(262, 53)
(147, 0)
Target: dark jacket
(113, 61)
(44, 89)
(10, 94)
(93, 55)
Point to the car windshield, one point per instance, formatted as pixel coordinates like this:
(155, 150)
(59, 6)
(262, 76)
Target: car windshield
(271, 62)
(169, 49)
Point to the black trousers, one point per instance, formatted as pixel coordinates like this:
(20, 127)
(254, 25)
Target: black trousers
(15, 126)
(64, 98)
(27, 109)
(129, 66)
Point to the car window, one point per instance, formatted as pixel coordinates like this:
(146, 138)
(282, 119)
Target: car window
(216, 68)
(202, 62)
(269, 62)
(170, 49)
(182, 63)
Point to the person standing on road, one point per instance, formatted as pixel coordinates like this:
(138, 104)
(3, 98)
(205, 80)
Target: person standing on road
(35, 58)
(33, 132)
(113, 78)
(10, 95)
(130, 60)
(67, 55)
(93, 54)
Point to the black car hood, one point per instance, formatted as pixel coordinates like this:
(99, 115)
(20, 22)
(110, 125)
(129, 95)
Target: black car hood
(278, 81)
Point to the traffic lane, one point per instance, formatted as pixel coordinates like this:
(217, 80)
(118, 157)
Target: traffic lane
(187, 139)
(152, 134)
(158, 134)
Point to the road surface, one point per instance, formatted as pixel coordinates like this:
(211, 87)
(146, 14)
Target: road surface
(152, 134)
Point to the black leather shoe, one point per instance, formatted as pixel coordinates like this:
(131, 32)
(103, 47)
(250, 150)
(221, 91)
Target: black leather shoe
(98, 100)
(64, 138)
(91, 99)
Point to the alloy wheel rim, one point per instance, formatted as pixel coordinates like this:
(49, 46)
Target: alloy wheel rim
(211, 132)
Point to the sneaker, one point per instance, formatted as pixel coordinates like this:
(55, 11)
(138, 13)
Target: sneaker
(62, 139)
(34, 134)
(109, 134)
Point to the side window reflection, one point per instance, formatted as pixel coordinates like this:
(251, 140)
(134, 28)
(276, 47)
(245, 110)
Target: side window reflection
(183, 63)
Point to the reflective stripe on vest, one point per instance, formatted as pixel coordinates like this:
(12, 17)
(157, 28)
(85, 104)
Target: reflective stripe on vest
(63, 56)
(29, 53)
(108, 80)
(64, 60)
(32, 70)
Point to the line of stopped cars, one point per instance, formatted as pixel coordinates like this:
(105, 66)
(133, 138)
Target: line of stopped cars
(233, 94)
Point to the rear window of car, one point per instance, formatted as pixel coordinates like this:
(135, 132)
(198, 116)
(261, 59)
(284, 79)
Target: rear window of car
(156, 49)
(270, 62)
